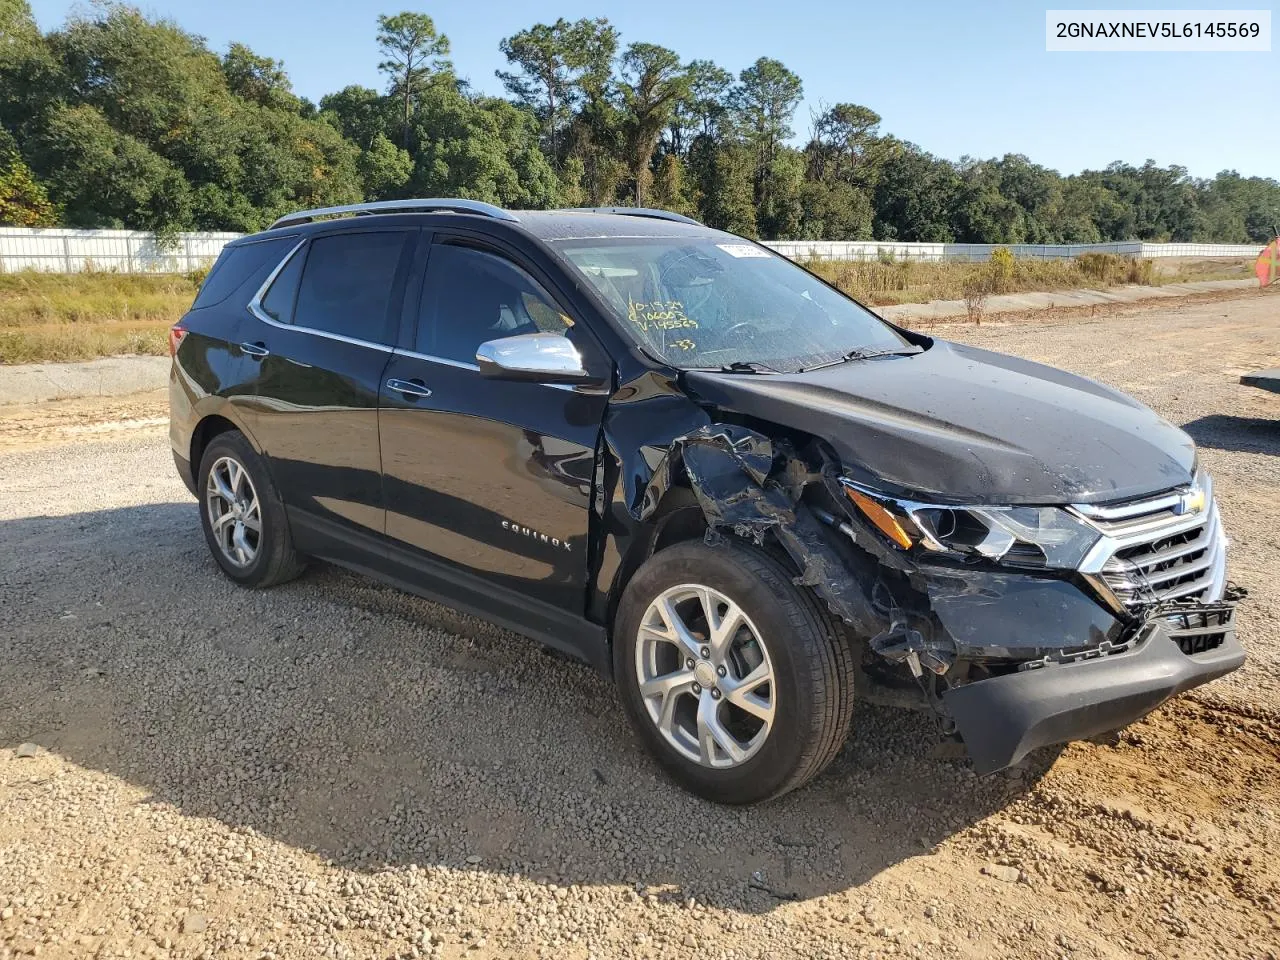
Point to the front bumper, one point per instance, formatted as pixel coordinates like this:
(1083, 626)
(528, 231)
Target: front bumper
(1004, 718)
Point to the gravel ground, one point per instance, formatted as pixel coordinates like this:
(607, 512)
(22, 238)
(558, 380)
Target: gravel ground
(336, 769)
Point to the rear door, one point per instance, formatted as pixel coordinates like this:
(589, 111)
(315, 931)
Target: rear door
(326, 325)
(494, 478)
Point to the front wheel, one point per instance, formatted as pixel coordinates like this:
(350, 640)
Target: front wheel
(738, 681)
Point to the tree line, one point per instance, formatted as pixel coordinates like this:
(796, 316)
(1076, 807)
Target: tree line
(121, 120)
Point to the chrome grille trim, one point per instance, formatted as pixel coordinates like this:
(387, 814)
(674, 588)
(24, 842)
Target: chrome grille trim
(1137, 563)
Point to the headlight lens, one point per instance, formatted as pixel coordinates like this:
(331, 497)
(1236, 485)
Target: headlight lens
(1020, 536)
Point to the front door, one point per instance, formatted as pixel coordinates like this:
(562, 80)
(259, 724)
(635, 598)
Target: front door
(326, 327)
(494, 478)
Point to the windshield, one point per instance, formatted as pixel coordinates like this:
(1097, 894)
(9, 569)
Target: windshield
(710, 303)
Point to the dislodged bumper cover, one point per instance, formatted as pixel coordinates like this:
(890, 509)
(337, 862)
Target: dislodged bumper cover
(1004, 718)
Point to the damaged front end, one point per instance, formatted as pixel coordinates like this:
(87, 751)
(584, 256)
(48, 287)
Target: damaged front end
(1022, 626)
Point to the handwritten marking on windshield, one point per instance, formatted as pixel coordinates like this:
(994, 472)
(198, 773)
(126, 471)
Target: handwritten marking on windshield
(660, 314)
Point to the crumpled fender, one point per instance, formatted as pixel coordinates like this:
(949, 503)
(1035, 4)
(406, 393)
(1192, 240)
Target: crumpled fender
(741, 488)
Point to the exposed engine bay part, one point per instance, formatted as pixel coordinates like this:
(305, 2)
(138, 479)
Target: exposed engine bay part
(751, 486)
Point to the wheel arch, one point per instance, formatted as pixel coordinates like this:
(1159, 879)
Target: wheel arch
(206, 429)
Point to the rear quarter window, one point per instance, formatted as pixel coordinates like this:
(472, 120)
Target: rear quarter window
(244, 265)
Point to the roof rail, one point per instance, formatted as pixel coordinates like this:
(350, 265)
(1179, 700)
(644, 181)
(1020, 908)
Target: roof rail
(397, 206)
(638, 212)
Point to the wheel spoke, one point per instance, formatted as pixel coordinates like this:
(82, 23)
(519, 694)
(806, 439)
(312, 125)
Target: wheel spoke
(757, 677)
(235, 476)
(741, 693)
(711, 733)
(222, 521)
(222, 487)
(667, 690)
(677, 630)
(723, 628)
(664, 685)
(244, 552)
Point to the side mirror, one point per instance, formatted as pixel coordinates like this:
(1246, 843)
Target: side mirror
(535, 357)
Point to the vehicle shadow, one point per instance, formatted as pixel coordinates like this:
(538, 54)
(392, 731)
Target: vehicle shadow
(373, 728)
(1221, 431)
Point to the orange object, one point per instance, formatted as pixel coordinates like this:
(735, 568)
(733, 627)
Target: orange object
(1268, 265)
(884, 521)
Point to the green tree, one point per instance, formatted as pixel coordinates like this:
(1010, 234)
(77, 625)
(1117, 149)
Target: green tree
(413, 53)
(842, 139)
(671, 191)
(834, 210)
(481, 149)
(559, 65)
(724, 179)
(102, 177)
(701, 106)
(260, 80)
(763, 102)
(914, 196)
(361, 115)
(652, 82)
(23, 200)
(384, 169)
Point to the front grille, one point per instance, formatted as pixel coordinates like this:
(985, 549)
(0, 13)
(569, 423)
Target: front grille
(1198, 629)
(1152, 554)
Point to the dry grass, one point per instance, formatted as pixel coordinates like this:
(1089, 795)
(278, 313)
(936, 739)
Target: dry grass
(881, 283)
(57, 317)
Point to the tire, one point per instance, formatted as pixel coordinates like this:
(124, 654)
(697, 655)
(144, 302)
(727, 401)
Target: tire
(265, 557)
(808, 700)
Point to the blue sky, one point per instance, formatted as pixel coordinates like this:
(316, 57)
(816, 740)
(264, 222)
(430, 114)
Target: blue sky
(955, 77)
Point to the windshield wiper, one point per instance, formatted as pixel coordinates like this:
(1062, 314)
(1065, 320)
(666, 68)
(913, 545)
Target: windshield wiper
(746, 366)
(865, 353)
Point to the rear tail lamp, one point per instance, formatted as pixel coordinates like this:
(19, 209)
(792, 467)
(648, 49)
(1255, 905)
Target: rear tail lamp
(177, 333)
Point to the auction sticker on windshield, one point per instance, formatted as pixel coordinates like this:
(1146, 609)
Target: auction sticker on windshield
(743, 250)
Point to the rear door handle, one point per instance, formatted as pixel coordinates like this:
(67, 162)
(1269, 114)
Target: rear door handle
(256, 350)
(410, 388)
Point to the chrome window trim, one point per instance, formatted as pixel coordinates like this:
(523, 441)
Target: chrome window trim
(461, 364)
(473, 367)
(255, 308)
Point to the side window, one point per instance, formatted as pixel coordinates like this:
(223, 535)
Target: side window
(470, 296)
(347, 284)
(283, 293)
(238, 264)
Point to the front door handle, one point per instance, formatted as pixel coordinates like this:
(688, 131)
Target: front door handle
(256, 350)
(410, 388)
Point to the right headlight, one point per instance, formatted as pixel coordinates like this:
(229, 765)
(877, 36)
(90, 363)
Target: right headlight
(1021, 536)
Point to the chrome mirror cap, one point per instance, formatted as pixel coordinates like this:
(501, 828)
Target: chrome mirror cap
(537, 357)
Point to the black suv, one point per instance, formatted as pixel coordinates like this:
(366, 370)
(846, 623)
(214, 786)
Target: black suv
(682, 458)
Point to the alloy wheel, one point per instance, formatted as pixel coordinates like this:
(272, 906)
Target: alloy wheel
(235, 516)
(705, 676)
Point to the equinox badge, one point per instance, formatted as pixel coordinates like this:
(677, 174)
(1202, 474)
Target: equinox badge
(535, 535)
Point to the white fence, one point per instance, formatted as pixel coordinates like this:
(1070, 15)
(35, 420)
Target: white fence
(124, 251)
(877, 249)
(128, 251)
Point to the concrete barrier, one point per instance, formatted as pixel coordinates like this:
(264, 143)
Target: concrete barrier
(107, 377)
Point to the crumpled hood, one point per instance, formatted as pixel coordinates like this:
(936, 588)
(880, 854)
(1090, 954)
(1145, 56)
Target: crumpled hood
(956, 424)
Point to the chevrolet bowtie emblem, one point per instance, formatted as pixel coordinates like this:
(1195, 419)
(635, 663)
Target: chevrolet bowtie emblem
(1190, 502)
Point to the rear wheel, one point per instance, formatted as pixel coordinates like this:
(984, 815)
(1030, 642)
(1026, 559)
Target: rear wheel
(242, 515)
(738, 681)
